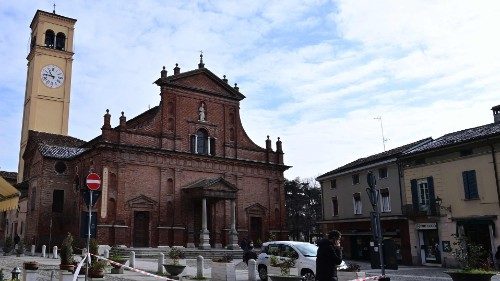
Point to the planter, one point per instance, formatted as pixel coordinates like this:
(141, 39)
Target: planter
(30, 265)
(469, 276)
(174, 269)
(223, 271)
(285, 277)
(67, 267)
(96, 273)
(120, 261)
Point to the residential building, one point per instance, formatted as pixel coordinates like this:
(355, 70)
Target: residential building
(452, 188)
(347, 208)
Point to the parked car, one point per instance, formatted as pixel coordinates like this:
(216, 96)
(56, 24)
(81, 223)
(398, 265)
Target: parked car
(303, 251)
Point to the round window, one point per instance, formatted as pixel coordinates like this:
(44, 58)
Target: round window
(60, 167)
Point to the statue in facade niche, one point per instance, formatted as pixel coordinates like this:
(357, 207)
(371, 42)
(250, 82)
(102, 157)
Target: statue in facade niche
(201, 111)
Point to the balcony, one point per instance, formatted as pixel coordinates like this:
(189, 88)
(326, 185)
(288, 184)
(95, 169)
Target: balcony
(413, 213)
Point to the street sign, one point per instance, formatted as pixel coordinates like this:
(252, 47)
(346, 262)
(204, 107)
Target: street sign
(84, 227)
(86, 197)
(93, 181)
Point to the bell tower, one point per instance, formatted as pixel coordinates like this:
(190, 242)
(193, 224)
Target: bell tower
(48, 80)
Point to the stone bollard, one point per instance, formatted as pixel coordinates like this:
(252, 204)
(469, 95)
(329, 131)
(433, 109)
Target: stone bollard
(106, 253)
(32, 250)
(252, 270)
(132, 259)
(44, 249)
(161, 261)
(199, 267)
(54, 251)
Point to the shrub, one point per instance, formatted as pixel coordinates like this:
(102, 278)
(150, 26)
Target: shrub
(67, 250)
(471, 256)
(20, 247)
(8, 245)
(94, 248)
(175, 254)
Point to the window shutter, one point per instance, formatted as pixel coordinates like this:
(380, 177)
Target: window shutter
(470, 184)
(432, 196)
(466, 184)
(193, 143)
(212, 146)
(414, 195)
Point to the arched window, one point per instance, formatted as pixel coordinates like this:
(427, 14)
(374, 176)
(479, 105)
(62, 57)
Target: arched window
(60, 41)
(49, 38)
(201, 143)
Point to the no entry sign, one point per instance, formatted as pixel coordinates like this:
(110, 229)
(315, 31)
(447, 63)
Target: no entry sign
(93, 181)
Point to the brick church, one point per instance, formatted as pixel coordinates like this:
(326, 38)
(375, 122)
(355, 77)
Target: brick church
(182, 173)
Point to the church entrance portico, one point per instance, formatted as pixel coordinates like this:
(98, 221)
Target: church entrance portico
(141, 229)
(208, 224)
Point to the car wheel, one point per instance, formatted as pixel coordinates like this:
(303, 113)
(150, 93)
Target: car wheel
(263, 273)
(308, 276)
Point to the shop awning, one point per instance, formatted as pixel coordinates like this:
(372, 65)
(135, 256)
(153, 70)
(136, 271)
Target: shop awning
(9, 196)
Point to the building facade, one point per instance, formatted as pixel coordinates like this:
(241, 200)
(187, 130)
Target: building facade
(182, 173)
(452, 188)
(346, 206)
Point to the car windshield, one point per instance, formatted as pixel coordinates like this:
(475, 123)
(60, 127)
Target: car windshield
(306, 249)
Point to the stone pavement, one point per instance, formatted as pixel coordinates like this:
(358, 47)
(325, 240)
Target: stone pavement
(49, 268)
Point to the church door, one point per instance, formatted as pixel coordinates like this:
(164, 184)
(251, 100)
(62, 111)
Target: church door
(255, 229)
(141, 229)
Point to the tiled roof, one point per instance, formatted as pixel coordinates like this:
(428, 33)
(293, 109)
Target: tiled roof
(8, 175)
(54, 139)
(60, 152)
(463, 136)
(377, 157)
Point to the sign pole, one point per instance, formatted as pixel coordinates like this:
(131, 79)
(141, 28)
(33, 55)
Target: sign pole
(88, 237)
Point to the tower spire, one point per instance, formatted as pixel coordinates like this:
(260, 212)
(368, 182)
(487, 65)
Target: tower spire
(54, 10)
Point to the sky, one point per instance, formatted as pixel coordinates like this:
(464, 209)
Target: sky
(315, 73)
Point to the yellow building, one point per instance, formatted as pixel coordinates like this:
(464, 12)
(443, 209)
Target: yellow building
(48, 81)
(452, 188)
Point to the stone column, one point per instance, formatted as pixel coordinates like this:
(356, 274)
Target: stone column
(233, 234)
(205, 234)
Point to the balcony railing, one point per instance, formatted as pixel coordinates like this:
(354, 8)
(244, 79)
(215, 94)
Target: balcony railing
(412, 212)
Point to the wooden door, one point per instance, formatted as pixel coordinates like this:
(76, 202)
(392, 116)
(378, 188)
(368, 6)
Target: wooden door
(141, 229)
(255, 229)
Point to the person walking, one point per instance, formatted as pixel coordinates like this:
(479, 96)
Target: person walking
(328, 257)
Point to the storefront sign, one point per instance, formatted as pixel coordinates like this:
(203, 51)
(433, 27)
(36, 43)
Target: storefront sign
(424, 226)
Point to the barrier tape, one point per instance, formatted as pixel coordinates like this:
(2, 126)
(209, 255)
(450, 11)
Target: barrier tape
(367, 278)
(75, 276)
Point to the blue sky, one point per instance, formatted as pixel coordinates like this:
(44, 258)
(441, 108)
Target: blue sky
(315, 73)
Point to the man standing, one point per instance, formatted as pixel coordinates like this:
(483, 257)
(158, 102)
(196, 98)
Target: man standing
(328, 257)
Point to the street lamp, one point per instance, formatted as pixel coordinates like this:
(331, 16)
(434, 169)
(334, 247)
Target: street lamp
(439, 203)
(15, 273)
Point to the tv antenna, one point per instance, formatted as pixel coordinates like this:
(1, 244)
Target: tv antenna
(384, 140)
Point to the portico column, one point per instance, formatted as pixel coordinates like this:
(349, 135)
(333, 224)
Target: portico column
(233, 234)
(205, 234)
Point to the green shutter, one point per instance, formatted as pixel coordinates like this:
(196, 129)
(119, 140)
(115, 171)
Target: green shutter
(466, 184)
(472, 184)
(432, 196)
(414, 195)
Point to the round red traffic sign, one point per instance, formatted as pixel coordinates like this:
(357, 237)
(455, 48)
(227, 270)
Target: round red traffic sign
(93, 181)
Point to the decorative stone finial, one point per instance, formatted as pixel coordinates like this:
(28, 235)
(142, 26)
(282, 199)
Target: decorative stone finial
(177, 69)
(236, 87)
(224, 78)
(124, 113)
(107, 111)
(163, 73)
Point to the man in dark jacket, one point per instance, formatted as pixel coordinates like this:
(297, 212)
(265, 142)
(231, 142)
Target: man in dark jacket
(328, 257)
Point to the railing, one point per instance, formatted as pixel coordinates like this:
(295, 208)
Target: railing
(412, 212)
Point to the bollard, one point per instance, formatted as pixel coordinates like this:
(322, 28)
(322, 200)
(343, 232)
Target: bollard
(54, 251)
(132, 259)
(252, 270)
(199, 267)
(106, 253)
(44, 250)
(32, 250)
(161, 261)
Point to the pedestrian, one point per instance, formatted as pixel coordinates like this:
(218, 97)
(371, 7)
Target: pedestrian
(497, 258)
(328, 257)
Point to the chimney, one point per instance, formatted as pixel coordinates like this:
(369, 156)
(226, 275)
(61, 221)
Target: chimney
(496, 114)
(177, 69)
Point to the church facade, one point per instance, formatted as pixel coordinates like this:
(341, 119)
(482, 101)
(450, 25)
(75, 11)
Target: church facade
(182, 173)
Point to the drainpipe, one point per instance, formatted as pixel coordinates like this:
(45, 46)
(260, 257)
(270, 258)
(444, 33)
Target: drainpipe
(400, 175)
(496, 171)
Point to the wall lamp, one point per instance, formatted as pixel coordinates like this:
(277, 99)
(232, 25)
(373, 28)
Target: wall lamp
(439, 202)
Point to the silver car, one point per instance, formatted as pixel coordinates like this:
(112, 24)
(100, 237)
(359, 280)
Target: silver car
(305, 253)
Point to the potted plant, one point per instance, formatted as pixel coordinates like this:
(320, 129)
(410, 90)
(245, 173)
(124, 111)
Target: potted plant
(30, 265)
(475, 262)
(223, 268)
(96, 269)
(67, 253)
(351, 272)
(20, 248)
(8, 246)
(118, 258)
(285, 262)
(175, 268)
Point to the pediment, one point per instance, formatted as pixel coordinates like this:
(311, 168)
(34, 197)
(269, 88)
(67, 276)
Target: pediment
(256, 209)
(142, 202)
(215, 188)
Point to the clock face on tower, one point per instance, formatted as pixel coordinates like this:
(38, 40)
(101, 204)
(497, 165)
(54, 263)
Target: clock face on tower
(52, 76)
